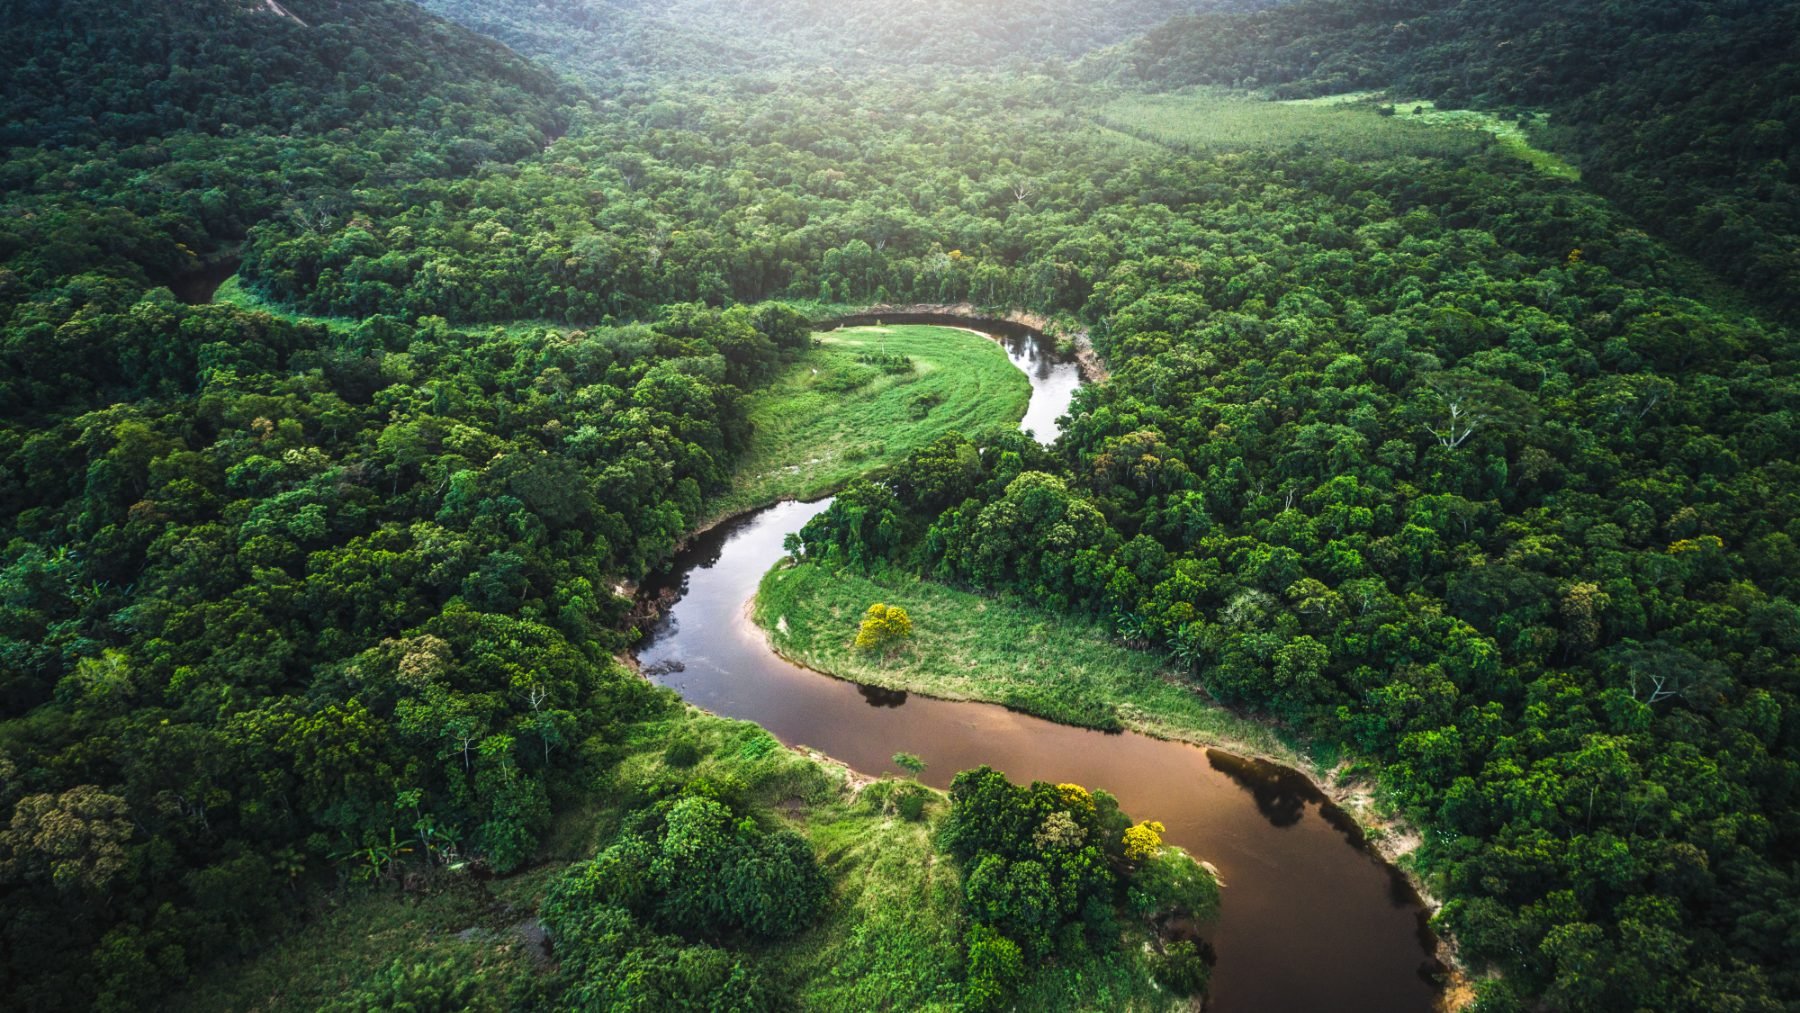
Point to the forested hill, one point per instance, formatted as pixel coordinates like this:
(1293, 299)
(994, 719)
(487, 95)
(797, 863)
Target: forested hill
(1687, 114)
(633, 41)
(224, 533)
(140, 144)
(79, 72)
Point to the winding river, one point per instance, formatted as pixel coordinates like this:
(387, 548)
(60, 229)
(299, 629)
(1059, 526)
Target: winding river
(1312, 921)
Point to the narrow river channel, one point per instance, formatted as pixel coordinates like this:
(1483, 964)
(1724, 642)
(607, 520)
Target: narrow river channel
(1311, 920)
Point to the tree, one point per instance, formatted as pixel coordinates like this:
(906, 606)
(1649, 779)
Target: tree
(884, 628)
(75, 839)
(909, 762)
(1469, 402)
(1143, 841)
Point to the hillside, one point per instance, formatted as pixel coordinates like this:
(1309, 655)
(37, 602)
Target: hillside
(1687, 115)
(608, 45)
(1425, 451)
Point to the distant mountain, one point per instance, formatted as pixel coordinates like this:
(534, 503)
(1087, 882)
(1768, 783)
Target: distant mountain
(1687, 114)
(81, 71)
(612, 43)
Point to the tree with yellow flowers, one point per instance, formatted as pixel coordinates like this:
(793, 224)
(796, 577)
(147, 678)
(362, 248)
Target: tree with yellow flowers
(884, 627)
(1143, 841)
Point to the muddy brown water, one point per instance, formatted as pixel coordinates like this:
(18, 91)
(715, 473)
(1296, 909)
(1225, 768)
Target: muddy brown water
(1311, 920)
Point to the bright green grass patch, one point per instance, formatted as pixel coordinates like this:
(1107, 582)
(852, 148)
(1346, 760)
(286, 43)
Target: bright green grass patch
(1203, 121)
(829, 418)
(1510, 135)
(967, 647)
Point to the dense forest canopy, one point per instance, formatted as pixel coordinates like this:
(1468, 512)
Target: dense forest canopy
(1686, 114)
(1451, 466)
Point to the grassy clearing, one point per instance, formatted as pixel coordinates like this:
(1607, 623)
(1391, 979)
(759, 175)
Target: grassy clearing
(967, 647)
(1205, 121)
(1511, 136)
(829, 418)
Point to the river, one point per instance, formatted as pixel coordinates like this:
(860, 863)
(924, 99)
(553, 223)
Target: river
(1311, 920)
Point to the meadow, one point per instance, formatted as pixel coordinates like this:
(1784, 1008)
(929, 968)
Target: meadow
(965, 646)
(839, 412)
(1510, 134)
(1210, 121)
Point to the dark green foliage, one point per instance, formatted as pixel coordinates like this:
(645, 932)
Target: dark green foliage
(342, 594)
(1181, 968)
(305, 599)
(996, 969)
(1381, 456)
(1420, 483)
(216, 115)
(608, 961)
(442, 986)
(1684, 113)
(681, 753)
(1171, 884)
(693, 866)
(1044, 869)
(630, 926)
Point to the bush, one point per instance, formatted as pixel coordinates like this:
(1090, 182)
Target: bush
(442, 986)
(995, 969)
(911, 804)
(883, 627)
(1172, 883)
(1181, 968)
(693, 866)
(681, 753)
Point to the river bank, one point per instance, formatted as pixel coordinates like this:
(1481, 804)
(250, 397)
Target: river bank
(1301, 880)
(1015, 321)
(1220, 804)
(970, 647)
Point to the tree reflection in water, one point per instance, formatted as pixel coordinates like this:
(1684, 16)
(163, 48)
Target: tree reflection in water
(1281, 794)
(879, 697)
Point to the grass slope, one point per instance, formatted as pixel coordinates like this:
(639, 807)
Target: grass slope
(1204, 121)
(829, 418)
(1509, 133)
(967, 647)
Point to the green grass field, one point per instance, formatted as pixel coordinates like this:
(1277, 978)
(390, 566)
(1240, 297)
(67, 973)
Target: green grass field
(1204, 121)
(1510, 135)
(968, 647)
(829, 418)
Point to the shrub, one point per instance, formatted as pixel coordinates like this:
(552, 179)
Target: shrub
(995, 969)
(1181, 968)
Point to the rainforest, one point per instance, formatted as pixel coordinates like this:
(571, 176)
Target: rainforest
(1245, 505)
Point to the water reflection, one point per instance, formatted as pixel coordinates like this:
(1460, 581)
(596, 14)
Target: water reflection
(1281, 795)
(880, 697)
